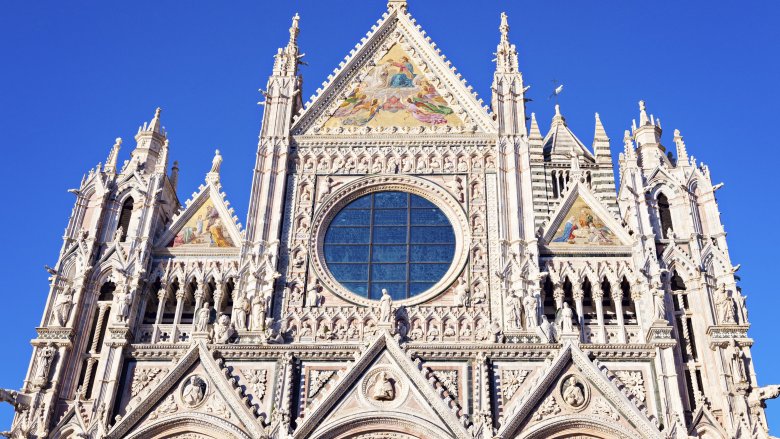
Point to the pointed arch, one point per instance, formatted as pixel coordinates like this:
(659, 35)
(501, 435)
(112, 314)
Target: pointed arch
(125, 215)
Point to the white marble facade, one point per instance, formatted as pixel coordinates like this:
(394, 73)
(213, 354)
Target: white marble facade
(574, 304)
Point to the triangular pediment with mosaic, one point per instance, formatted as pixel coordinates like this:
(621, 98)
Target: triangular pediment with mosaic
(198, 388)
(575, 390)
(395, 81)
(382, 388)
(206, 224)
(581, 222)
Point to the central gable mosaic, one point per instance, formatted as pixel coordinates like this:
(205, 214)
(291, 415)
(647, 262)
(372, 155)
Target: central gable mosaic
(204, 229)
(394, 93)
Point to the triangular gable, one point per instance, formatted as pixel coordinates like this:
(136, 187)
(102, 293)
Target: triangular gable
(395, 80)
(561, 140)
(222, 403)
(582, 222)
(206, 223)
(703, 421)
(360, 377)
(604, 404)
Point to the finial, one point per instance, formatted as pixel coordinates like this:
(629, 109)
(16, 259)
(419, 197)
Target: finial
(504, 27)
(643, 119)
(557, 110)
(216, 162)
(294, 30)
(396, 5)
(155, 125)
(682, 151)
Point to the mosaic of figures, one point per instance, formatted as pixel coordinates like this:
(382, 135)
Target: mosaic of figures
(204, 229)
(583, 227)
(394, 93)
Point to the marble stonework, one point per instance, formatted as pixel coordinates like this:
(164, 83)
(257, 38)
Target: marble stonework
(577, 303)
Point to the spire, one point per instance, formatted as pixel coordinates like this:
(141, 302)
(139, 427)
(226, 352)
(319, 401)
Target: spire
(506, 53)
(216, 164)
(396, 5)
(154, 125)
(535, 133)
(600, 133)
(174, 176)
(682, 151)
(288, 59)
(112, 156)
(628, 147)
(162, 161)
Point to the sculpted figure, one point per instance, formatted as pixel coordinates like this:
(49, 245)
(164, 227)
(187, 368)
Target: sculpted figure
(240, 309)
(529, 308)
(62, 307)
(314, 295)
(45, 358)
(353, 331)
(547, 329)
(498, 334)
(449, 330)
(258, 312)
(417, 332)
(572, 393)
(383, 388)
(738, 371)
(659, 304)
(123, 301)
(193, 394)
(461, 294)
(515, 310)
(726, 306)
(565, 322)
(223, 330)
(204, 314)
(385, 307)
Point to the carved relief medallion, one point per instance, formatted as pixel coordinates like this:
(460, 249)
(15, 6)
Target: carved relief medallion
(193, 391)
(575, 392)
(381, 387)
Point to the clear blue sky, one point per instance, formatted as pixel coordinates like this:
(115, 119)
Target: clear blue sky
(74, 76)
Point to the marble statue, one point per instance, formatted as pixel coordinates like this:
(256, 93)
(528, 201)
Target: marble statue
(62, 307)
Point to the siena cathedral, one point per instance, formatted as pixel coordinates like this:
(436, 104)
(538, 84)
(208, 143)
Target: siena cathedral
(414, 264)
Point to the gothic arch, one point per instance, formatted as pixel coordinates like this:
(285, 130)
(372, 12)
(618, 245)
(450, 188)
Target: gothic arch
(363, 424)
(198, 423)
(577, 427)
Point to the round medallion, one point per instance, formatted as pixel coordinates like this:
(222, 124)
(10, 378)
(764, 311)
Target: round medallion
(193, 391)
(575, 392)
(382, 388)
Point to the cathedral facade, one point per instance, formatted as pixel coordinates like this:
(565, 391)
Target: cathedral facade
(415, 264)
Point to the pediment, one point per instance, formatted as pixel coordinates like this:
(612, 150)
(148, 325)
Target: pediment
(205, 224)
(581, 222)
(196, 388)
(381, 389)
(395, 81)
(573, 389)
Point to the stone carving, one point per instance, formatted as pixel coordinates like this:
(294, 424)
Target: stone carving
(142, 378)
(549, 407)
(726, 306)
(511, 379)
(448, 379)
(240, 310)
(547, 329)
(384, 390)
(565, 319)
(317, 380)
(737, 361)
(62, 307)
(43, 365)
(256, 380)
(219, 408)
(204, 315)
(515, 309)
(194, 391)
(574, 392)
(223, 330)
(166, 407)
(314, 295)
(659, 304)
(602, 407)
(123, 301)
(633, 381)
(462, 294)
(529, 308)
(258, 312)
(385, 307)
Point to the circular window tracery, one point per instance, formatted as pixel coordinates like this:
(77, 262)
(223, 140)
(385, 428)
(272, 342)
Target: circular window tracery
(392, 240)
